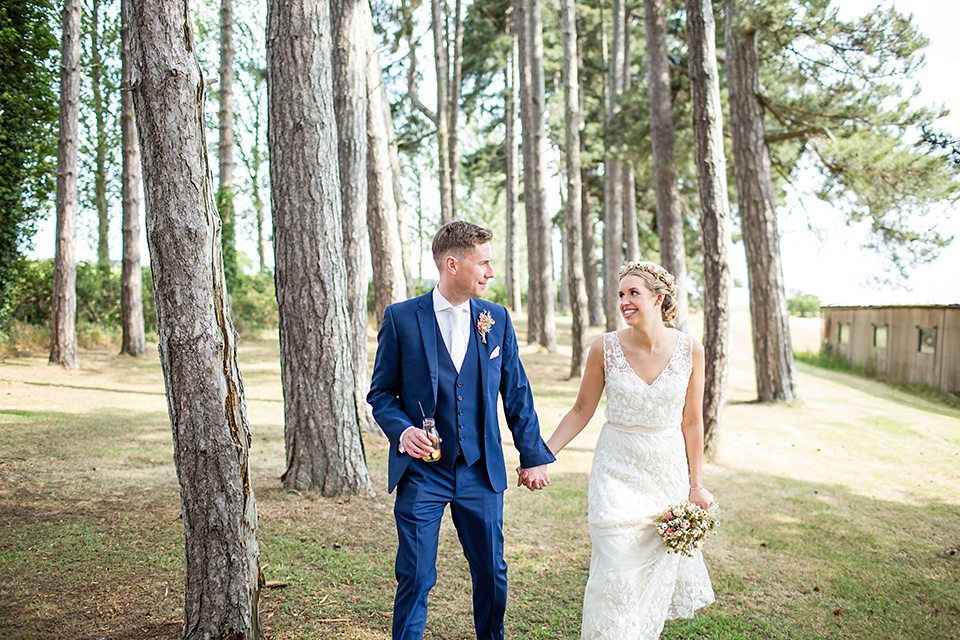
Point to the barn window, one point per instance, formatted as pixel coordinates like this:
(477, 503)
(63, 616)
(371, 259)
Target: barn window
(928, 340)
(844, 333)
(880, 336)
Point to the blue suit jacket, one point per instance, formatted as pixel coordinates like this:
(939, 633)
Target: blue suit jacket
(405, 374)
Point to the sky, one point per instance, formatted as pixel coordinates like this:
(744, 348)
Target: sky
(824, 257)
(820, 254)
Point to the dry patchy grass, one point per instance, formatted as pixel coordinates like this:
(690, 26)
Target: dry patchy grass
(839, 513)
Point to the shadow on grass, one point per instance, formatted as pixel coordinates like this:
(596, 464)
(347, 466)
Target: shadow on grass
(880, 389)
(794, 559)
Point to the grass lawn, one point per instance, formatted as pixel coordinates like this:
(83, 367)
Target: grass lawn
(840, 513)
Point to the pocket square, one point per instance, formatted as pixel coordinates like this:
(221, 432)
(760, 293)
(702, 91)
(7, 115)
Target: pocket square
(495, 352)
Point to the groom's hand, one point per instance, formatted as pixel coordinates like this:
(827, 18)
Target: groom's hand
(534, 478)
(416, 443)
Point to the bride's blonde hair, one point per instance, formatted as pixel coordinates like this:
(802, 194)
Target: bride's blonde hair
(658, 280)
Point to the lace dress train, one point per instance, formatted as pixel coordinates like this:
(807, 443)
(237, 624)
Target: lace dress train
(639, 468)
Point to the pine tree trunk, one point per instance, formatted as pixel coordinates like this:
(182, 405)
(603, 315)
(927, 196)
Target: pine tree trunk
(350, 51)
(514, 300)
(772, 352)
(454, 107)
(613, 180)
(572, 235)
(563, 292)
(256, 166)
(322, 430)
(543, 224)
(631, 236)
(389, 280)
(669, 214)
(714, 213)
(400, 201)
(100, 153)
(131, 277)
(534, 317)
(591, 271)
(225, 159)
(198, 349)
(63, 325)
(442, 60)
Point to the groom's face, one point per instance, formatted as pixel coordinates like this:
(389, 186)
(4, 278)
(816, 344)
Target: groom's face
(474, 270)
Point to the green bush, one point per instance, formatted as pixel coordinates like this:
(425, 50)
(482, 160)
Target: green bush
(98, 295)
(804, 305)
(254, 302)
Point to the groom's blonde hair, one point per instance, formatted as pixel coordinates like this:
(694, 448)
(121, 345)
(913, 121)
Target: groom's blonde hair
(457, 238)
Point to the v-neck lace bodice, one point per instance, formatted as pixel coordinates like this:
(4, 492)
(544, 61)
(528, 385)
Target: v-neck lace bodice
(633, 402)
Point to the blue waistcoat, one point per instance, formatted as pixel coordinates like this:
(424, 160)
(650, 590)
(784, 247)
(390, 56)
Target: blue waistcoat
(459, 413)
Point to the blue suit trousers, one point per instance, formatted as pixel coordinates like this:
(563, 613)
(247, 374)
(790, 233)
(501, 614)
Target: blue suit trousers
(477, 510)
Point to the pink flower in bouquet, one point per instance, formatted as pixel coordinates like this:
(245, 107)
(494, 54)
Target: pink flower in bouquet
(669, 515)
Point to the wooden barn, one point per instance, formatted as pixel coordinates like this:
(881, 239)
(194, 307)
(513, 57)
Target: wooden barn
(918, 344)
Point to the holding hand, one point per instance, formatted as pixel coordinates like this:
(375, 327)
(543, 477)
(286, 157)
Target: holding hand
(416, 443)
(701, 497)
(534, 478)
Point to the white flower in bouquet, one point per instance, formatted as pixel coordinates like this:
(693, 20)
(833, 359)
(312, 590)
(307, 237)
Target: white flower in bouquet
(683, 526)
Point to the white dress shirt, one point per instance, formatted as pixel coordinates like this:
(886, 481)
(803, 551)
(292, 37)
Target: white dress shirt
(454, 323)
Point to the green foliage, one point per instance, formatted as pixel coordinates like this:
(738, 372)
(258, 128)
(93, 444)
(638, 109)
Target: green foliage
(254, 303)
(805, 305)
(28, 116)
(98, 295)
(839, 95)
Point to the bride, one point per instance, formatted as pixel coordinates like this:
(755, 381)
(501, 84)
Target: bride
(648, 456)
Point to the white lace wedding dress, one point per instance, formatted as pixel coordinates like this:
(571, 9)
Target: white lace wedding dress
(639, 468)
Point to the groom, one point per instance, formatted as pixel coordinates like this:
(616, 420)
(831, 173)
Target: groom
(449, 353)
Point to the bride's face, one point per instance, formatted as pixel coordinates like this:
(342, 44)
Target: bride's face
(637, 302)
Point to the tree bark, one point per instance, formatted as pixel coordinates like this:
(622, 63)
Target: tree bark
(669, 214)
(714, 213)
(522, 27)
(613, 180)
(131, 277)
(572, 235)
(225, 159)
(63, 325)
(631, 236)
(100, 152)
(322, 430)
(512, 163)
(401, 203)
(591, 270)
(442, 65)
(772, 351)
(198, 349)
(453, 110)
(350, 102)
(591, 273)
(389, 280)
(542, 226)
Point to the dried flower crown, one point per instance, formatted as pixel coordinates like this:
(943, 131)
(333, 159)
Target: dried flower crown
(653, 269)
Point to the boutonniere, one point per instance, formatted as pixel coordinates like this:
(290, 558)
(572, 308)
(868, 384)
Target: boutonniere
(484, 322)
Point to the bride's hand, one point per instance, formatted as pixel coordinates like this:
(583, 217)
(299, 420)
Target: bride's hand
(701, 497)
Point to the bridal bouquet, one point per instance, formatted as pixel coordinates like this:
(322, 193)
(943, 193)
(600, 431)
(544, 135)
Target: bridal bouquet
(684, 526)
